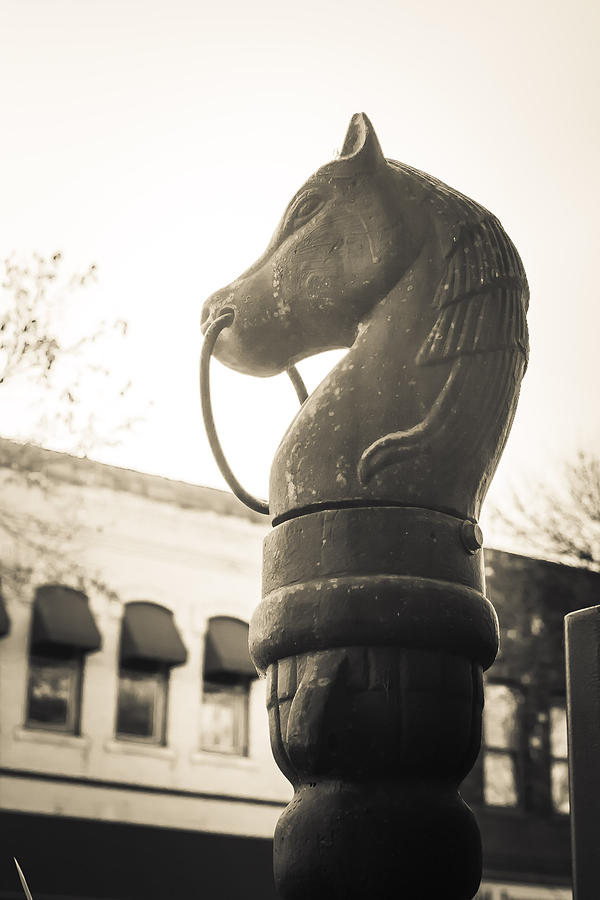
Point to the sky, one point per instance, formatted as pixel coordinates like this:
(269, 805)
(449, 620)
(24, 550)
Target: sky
(162, 141)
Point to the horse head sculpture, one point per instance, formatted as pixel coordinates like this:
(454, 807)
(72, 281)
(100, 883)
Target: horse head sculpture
(428, 292)
(374, 628)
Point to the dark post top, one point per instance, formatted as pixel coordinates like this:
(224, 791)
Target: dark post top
(582, 646)
(374, 628)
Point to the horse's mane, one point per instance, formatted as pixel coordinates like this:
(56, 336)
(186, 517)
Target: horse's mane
(482, 296)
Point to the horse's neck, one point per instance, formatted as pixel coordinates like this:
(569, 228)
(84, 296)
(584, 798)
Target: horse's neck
(381, 366)
(377, 386)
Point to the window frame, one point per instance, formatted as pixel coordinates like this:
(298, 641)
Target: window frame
(75, 663)
(160, 674)
(516, 753)
(557, 702)
(239, 687)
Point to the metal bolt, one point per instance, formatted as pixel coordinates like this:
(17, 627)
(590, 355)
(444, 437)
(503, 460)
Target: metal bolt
(471, 536)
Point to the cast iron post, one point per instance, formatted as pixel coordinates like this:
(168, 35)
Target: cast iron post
(374, 628)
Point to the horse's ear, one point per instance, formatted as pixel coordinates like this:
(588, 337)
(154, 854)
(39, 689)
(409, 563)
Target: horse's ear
(361, 143)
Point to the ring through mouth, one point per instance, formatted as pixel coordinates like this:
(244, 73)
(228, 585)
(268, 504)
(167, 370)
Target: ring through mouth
(209, 320)
(226, 311)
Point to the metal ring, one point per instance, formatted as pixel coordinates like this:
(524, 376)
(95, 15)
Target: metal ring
(299, 386)
(224, 320)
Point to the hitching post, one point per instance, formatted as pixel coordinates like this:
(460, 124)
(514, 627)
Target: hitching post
(374, 628)
(582, 643)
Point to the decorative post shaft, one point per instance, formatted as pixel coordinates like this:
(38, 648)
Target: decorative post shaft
(374, 661)
(374, 628)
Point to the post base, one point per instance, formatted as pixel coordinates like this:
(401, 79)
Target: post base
(377, 841)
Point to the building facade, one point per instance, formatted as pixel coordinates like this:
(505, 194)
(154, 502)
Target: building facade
(134, 751)
(519, 785)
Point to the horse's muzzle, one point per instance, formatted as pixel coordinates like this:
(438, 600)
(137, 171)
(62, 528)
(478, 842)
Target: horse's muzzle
(209, 316)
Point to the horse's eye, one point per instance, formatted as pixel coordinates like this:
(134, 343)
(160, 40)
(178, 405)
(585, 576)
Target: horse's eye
(307, 207)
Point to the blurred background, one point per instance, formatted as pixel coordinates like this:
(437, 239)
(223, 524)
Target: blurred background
(162, 141)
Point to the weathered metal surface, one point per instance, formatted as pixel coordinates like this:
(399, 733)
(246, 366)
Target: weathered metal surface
(374, 628)
(582, 635)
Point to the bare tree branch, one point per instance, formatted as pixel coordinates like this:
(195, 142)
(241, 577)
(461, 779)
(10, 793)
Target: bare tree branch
(562, 523)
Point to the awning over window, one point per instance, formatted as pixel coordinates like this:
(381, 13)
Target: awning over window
(226, 651)
(149, 635)
(4, 620)
(62, 620)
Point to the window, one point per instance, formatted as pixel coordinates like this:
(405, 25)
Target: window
(224, 718)
(142, 705)
(228, 671)
(150, 646)
(501, 745)
(62, 632)
(559, 769)
(54, 693)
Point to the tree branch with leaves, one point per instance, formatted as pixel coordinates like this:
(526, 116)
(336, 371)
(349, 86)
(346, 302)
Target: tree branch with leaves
(53, 370)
